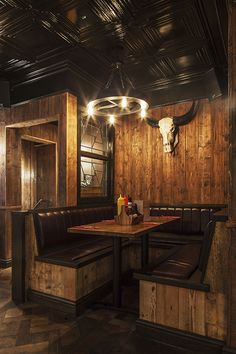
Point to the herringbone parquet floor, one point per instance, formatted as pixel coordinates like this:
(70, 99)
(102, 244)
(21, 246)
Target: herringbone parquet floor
(31, 328)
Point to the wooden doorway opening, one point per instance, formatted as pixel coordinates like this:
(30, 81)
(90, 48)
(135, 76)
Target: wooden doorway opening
(38, 173)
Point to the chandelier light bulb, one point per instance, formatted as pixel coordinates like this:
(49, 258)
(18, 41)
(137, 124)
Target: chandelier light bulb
(124, 102)
(143, 105)
(90, 109)
(143, 113)
(112, 119)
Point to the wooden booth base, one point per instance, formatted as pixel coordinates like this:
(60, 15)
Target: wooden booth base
(70, 308)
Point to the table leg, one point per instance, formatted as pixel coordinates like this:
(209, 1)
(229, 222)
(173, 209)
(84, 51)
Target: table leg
(117, 271)
(145, 250)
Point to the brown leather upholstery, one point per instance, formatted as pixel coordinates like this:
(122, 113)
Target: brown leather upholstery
(187, 258)
(193, 219)
(51, 227)
(180, 265)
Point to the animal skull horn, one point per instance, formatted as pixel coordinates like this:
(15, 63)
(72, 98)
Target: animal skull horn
(169, 126)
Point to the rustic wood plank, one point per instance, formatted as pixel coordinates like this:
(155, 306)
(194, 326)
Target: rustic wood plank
(194, 173)
(147, 290)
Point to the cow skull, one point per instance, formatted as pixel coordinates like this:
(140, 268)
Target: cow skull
(169, 127)
(169, 133)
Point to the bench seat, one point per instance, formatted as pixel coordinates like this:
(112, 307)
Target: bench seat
(181, 264)
(80, 253)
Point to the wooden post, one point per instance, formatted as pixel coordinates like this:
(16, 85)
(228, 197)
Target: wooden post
(231, 333)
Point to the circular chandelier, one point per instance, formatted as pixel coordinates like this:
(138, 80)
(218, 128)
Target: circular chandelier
(118, 97)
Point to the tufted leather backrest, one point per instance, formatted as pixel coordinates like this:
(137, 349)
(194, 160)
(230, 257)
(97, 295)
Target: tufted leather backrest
(51, 226)
(193, 220)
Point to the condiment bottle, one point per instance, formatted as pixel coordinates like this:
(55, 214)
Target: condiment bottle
(129, 212)
(126, 199)
(120, 202)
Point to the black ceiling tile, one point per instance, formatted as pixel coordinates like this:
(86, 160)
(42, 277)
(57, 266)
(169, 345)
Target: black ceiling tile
(166, 42)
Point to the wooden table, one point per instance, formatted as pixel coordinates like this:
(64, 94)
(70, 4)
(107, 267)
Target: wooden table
(110, 229)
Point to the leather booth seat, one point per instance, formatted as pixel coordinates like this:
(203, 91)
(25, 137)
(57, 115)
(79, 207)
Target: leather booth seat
(186, 259)
(189, 228)
(56, 245)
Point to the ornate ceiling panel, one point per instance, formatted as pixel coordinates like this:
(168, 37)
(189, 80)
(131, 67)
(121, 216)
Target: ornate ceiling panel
(165, 42)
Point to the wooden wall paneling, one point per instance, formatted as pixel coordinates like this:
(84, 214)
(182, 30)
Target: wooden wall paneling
(232, 108)
(28, 175)
(2, 164)
(119, 159)
(218, 263)
(13, 167)
(205, 153)
(137, 158)
(62, 135)
(2, 233)
(219, 122)
(185, 316)
(148, 308)
(37, 111)
(179, 162)
(184, 309)
(71, 150)
(148, 157)
(46, 132)
(171, 305)
(231, 338)
(46, 182)
(126, 156)
(186, 175)
(190, 157)
(54, 280)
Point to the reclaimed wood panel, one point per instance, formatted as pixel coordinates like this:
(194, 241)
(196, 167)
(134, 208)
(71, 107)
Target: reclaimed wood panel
(71, 150)
(28, 121)
(46, 180)
(203, 313)
(13, 168)
(218, 263)
(6, 232)
(28, 175)
(231, 338)
(196, 172)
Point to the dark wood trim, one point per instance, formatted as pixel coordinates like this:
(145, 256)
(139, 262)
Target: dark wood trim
(221, 215)
(73, 308)
(5, 263)
(18, 257)
(92, 155)
(171, 281)
(180, 339)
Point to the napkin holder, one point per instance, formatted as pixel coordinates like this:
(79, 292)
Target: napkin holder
(124, 219)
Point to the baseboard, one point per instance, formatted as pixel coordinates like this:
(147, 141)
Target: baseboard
(180, 339)
(72, 308)
(227, 350)
(5, 263)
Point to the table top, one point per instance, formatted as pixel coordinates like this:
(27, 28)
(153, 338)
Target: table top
(110, 228)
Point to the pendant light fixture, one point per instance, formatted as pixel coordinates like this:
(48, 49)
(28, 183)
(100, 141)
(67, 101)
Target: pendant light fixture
(118, 97)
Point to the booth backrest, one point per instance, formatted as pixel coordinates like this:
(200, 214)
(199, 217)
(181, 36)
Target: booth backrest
(51, 226)
(193, 219)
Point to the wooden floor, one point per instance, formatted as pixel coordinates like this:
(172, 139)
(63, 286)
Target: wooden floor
(33, 329)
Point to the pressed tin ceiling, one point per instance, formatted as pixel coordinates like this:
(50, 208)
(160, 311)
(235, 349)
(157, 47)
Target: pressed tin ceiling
(171, 48)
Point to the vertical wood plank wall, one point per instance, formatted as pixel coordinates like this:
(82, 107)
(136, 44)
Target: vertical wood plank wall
(196, 172)
(231, 340)
(60, 107)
